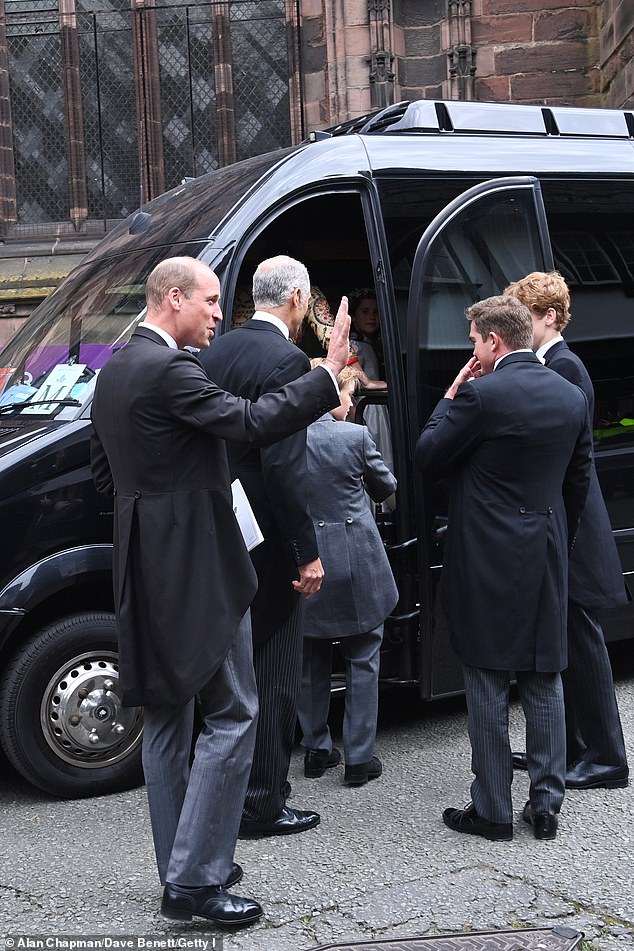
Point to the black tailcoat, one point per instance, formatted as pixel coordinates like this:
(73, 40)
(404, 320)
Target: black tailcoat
(595, 578)
(518, 448)
(254, 359)
(182, 575)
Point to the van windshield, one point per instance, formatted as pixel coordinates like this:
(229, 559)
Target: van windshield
(50, 367)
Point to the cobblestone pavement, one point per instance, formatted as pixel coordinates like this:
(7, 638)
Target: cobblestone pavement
(380, 865)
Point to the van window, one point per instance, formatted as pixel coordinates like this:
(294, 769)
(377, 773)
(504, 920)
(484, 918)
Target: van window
(408, 207)
(473, 256)
(592, 232)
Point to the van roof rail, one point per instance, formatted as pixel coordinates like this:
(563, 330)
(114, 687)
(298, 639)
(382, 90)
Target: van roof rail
(429, 115)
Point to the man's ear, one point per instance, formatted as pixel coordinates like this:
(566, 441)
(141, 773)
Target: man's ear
(550, 316)
(174, 296)
(493, 340)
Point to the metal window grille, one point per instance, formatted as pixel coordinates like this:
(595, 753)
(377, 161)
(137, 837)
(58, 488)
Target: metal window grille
(112, 103)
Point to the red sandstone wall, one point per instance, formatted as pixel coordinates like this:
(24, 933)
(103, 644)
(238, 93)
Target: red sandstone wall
(538, 51)
(617, 53)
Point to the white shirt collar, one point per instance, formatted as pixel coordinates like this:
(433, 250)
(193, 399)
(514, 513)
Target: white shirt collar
(272, 319)
(521, 350)
(545, 347)
(169, 340)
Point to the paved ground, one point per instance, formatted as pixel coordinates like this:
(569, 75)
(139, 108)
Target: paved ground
(381, 864)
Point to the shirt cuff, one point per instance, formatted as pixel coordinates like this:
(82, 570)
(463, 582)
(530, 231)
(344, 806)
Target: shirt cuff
(331, 375)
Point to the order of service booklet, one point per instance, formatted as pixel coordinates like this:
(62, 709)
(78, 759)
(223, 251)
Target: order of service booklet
(247, 521)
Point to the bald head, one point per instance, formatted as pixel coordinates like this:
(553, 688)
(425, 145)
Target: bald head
(275, 280)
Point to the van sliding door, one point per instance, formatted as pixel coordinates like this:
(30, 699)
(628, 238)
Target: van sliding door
(492, 234)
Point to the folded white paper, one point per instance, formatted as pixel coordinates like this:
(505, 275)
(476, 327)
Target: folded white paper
(247, 521)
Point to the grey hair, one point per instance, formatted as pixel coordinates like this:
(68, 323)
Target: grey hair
(275, 280)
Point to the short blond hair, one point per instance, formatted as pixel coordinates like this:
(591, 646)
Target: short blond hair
(345, 377)
(540, 290)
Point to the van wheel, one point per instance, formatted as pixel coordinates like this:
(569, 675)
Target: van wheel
(62, 725)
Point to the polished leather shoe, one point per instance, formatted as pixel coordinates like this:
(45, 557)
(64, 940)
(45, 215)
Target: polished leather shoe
(544, 825)
(316, 762)
(359, 775)
(182, 903)
(467, 820)
(235, 875)
(288, 822)
(596, 776)
(519, 760)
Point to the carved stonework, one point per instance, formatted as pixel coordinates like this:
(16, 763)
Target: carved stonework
(381, 56)
(461, 54)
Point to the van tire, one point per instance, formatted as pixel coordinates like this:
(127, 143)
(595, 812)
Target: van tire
(62, 725)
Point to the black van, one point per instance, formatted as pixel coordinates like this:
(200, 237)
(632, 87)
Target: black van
(435, 205)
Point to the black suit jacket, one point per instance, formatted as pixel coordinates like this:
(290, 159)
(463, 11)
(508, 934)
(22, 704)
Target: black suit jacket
(182, 575)
(249, 361)
(596, 575)
(518, 449)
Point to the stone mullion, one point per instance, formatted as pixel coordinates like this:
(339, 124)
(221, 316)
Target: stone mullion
(148, 99)
(73, 112)
(294, 67)
(8, 198)
(461, 52)
(223, 75)
(381, 57)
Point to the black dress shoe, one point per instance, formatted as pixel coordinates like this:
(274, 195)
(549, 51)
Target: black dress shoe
(359, 775)
(519, 760)
(181, 903)
(596, 776)
(235, 875)
(467, 820)
(288, 822)
(544, 825)
(316, 762)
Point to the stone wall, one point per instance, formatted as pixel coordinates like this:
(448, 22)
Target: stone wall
(617, 53)
(571, 52)
(523, 50)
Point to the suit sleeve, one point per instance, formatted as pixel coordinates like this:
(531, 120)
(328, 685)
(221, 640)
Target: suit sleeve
(194, 400)
(285, 474)
(379, 481)
(450, 432)
(577, 478)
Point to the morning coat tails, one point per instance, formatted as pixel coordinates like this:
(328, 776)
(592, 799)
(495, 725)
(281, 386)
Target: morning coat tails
(516, 445)
(358, 590)
(595, 578)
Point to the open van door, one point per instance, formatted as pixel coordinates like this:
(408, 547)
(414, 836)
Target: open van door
(492, 234)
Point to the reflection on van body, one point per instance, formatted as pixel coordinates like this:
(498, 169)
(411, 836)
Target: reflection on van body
(435, 205)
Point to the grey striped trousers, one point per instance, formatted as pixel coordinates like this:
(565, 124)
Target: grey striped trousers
(541, 696)
(278, 671)
(195, 812)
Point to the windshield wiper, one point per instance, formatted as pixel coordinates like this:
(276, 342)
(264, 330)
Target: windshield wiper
(68, 401)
